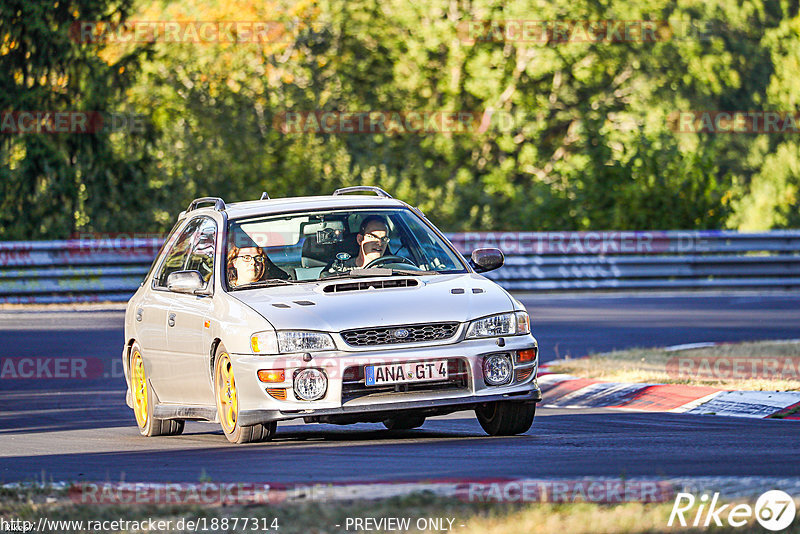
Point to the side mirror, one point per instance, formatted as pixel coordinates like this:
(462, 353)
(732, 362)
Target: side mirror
(486, 259)
(189, 282)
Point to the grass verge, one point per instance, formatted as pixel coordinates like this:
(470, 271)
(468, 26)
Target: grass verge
(332, 517)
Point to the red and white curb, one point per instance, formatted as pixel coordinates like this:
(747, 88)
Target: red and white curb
(566, 391)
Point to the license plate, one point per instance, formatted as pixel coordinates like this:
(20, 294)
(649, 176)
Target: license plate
(403, 373)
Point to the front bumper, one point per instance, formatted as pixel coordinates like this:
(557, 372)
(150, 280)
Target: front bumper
(257, 406)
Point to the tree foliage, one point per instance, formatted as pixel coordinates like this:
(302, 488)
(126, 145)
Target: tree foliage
(581, 136)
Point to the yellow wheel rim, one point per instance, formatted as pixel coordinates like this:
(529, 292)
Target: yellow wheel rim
(227, 402)
(139, 389)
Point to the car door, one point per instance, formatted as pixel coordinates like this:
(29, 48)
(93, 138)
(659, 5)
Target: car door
(151, 313)
(188, 325)
(155, 316)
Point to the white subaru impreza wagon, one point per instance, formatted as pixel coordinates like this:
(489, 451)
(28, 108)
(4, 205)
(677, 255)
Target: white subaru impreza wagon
(335, 309)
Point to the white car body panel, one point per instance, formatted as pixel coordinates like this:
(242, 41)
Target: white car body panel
(178, 359)
(430, 301)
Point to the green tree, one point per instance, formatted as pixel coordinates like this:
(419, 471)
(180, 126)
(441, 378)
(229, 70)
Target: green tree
(54, 184)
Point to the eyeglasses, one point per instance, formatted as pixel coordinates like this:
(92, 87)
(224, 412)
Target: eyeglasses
(384, 240)
(250, 259)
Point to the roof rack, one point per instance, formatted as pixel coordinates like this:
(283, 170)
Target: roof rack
(219, 204)
(365, 188)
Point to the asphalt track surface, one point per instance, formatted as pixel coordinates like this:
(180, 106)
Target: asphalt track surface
(81, 430)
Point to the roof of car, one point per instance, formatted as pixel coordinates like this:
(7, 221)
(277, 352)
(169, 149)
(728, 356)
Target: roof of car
(253, 208)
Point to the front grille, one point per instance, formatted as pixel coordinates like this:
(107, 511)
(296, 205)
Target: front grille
(353, 385)
(388, 335)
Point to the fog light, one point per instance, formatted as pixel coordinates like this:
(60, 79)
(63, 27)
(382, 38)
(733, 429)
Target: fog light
(310, 384)
(497, 369)
(271, 375)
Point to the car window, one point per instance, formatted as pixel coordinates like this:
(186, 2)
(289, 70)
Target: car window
(171, 237)
(427, 246)
(311, 246)
(201, 258)
(175, 258)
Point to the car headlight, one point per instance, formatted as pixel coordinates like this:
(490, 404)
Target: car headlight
(299, 341)
(505, 324)
(497, 369)
(283, 341)
(310, 384)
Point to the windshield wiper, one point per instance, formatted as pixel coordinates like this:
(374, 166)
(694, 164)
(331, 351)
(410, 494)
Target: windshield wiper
(375, 271)
(413, 272)
(263, 283)
(357, 273)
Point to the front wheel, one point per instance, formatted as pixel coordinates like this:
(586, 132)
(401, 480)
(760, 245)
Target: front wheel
(228, 404)
(143, 401)
(504, 418)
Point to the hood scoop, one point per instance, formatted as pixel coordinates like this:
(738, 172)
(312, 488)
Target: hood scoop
(370, 285)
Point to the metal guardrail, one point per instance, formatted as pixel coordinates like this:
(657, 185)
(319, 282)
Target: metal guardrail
(642, 260)
(111, 269)
(74, 270)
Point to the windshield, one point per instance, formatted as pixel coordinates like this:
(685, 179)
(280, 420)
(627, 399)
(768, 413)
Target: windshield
(313, 246)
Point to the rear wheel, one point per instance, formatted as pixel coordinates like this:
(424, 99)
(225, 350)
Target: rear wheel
(143, 401)
(505, 418)
(228, 404)
(406, 422)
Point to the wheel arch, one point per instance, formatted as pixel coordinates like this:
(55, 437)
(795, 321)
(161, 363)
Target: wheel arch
(126, 361)
(211, 358)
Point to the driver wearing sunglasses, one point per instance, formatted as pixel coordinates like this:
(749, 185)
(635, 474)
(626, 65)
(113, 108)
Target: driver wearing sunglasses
(372, 239)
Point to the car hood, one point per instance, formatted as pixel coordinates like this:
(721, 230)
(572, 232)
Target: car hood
(436, 298)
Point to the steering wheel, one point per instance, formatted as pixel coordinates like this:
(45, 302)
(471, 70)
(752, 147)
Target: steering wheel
(389, 259)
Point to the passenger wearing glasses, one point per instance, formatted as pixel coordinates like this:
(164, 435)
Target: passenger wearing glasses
(249, 264)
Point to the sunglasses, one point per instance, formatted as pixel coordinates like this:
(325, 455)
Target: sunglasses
(384, 240)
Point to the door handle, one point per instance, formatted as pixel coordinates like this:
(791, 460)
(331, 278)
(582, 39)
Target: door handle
(139, 314)
(171, 320)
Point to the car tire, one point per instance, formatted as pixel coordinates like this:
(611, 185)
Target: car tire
(404, 422)
(227, 400)
(504, 418)
(143, 401)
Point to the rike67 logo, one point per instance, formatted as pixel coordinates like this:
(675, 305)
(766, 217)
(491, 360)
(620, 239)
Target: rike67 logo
(774, 510)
